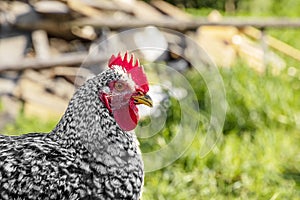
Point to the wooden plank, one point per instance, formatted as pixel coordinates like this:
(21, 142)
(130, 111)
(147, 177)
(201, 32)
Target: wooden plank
(141, 10)
(193, 24)
(39, 102)
(12, 49)
(114, 23)
(84, 9)
(63, 29)
(51, 7)
(216, 41)
(108, 5)
(6, 86)
(273, 42)
(67, 59)
(170, 10)
(11, 109)
(71, 71)
(86, 32)
(57, 86)
(54, 28)
(41, 44)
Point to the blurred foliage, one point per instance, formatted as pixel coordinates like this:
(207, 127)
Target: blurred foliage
(220, 5)
(255, 100)
(25, 124)
(258, 156)
(260, 100)
(158, 141)
(284, 8)
(291, 37)
(279, 8)
(1, 106)
(243, 167)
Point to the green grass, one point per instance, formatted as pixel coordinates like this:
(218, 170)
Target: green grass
(258, 156)
(1, 106)
(242, 167)
(25, 124)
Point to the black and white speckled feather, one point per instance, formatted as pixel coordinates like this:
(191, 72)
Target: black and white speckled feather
(86, 156)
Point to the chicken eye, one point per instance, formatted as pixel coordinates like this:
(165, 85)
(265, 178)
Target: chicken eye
(140, 93)
(119, 86)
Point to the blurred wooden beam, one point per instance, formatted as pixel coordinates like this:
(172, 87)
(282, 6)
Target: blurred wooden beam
(67, 59)
(84, 9)
(41, 44)
(64, 28)
(273, 42)
(109, 5)
(55, 28)
(170, 10)
(143, 10)
(166, 22)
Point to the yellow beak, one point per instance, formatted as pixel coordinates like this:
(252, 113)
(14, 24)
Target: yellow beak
(143, 99)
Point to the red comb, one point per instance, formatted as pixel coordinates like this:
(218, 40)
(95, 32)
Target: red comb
(136, 71)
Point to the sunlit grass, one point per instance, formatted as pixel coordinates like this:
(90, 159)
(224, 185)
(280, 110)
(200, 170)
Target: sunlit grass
(242, 167)
(258, 156)
(1, 106)
(25, 124)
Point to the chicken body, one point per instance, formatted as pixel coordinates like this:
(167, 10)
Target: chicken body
(86, 156)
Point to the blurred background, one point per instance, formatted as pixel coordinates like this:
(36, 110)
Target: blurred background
(254, 44)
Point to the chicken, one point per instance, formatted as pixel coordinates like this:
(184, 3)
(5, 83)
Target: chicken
(92, 152)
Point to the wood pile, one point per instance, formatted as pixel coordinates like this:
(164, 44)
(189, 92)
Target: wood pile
(43, 44)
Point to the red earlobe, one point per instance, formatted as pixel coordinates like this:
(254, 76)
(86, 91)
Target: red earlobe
(106, 100)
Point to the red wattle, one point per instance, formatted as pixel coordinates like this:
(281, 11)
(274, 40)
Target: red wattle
(126, 117)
